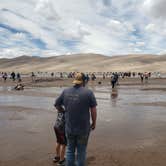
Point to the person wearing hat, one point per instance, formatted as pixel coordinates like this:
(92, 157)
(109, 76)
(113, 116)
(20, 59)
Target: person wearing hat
(79, 104)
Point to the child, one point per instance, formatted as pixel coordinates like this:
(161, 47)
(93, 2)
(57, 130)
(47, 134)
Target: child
(59, 129)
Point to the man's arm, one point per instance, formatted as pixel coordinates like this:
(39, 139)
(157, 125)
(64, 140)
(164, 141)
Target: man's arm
(59, 103)
(93, 117)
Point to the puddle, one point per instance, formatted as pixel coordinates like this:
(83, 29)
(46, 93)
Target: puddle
(27, 101)
(122, 97)
(5, 88)
(52, 90)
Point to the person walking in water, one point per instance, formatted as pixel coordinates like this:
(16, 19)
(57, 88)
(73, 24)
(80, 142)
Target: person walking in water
(79, 104)
(114, 79)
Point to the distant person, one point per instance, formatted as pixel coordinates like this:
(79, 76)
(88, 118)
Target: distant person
(114, 79)
(142, 77)
(4, 76)
(19, 87)
(19, 77)
(61, 75)
(146, 77)
(104, 76)
(61, 142)
(93, 77)
(133, 74)
(79, 104)
(129, 74)
(149, 74)
(52, 74)
(33, 76)
(87, 78)
(13, 76)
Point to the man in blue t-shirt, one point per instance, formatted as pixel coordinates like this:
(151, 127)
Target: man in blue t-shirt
(80, 106)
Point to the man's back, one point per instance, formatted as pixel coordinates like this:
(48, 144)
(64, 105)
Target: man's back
(77, 101)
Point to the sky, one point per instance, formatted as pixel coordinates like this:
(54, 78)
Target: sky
(57, 27)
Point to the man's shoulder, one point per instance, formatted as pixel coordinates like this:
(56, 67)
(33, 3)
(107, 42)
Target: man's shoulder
(83, 89)
(87, 91)
(68, 89)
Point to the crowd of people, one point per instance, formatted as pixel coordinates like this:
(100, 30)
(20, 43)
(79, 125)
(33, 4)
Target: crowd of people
(89, 75)
(113, 76)
(13, 76)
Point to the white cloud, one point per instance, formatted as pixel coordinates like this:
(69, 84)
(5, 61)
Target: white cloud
(156, 8)
(45, 8)
(140, 44)
(14, 52)
(151, 27)
(101, 26)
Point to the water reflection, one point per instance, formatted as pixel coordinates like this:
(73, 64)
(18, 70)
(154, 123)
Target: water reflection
(114, 96)
(5, 88)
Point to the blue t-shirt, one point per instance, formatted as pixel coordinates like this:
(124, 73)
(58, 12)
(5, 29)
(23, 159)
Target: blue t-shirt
(77, 101)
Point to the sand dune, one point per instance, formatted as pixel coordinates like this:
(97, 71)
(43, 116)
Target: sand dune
(86, 62)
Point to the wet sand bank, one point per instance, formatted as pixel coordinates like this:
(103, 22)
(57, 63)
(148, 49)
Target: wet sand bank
(129, 131)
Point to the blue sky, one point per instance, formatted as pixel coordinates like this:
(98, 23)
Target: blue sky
(57, 27)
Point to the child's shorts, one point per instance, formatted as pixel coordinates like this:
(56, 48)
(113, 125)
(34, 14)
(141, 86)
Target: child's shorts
(60, 135)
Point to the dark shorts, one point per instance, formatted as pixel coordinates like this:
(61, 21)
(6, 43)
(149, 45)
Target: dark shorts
(60, 135)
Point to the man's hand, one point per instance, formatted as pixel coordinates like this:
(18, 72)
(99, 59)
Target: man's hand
(93, 126)
(93, 116)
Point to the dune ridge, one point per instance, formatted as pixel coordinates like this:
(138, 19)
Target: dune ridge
(86, 63)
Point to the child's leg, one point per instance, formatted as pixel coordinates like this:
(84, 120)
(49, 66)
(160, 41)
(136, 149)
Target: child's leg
(62, 152)
(57, 148)
(57, 156)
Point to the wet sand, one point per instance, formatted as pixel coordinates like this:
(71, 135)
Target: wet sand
(130, 128)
